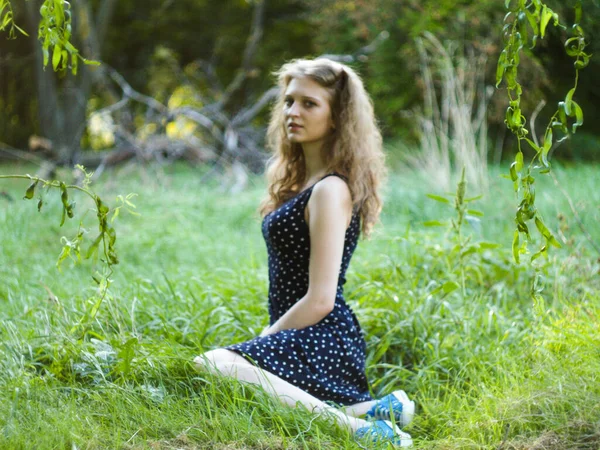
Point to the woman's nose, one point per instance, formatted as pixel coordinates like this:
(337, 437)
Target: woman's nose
(293, 110)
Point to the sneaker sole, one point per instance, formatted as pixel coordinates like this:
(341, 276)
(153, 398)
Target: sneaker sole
(405, 438)
(408, 407)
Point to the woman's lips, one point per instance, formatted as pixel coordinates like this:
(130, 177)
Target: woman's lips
(294, 127)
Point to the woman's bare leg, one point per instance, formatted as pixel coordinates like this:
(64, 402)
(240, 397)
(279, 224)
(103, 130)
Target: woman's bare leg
(231, 364)
(358, 409)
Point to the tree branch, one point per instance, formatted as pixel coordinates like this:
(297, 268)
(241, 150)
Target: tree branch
(361, 53)
(256, 33)
(246, 115)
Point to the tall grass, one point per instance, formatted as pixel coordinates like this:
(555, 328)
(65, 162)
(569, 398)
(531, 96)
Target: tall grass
(487, 369)
(452, 122)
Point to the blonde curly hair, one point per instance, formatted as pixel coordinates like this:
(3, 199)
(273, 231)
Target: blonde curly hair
(354, 149)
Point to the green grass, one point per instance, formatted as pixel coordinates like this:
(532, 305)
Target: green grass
(487, 367)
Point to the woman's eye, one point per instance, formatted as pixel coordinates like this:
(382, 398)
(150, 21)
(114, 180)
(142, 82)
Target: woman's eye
(309, 104)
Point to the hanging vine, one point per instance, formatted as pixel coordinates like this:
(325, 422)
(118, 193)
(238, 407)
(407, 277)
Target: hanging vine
(104, 243)
(525, 23)
(54, 33)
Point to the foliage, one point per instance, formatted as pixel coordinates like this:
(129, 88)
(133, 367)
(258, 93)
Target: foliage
(522, 19)
(482, 366)
(462, 247)
(105, 240)
(7, 19)
(54, 33)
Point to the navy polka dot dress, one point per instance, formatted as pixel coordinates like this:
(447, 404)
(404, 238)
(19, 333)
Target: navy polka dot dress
(327, 359)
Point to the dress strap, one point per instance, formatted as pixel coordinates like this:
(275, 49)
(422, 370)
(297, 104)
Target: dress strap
(343, 177)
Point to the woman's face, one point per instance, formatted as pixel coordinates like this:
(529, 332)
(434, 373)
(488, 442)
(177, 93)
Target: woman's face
(307, 112)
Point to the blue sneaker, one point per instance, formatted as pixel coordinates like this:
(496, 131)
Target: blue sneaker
(384, 431)
(397, 404)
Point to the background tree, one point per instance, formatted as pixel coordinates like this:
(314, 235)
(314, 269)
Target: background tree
(197, 47)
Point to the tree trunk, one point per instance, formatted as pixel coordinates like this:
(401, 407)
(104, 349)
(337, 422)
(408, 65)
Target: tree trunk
(62, 100)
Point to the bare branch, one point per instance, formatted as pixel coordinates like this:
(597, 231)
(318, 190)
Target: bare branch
(361, 53)
(211, 75)
(128, 91)
(534, 115)
(246, 115)
(9, 152)
(256, 33)
(102, 22)
(114, 107)
(200, 119)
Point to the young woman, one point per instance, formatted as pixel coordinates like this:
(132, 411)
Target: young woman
(323, 179)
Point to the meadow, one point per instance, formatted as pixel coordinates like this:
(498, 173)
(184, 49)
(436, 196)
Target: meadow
(449, 321)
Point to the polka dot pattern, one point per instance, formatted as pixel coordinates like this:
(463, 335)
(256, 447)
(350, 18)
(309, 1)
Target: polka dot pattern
(327, 359)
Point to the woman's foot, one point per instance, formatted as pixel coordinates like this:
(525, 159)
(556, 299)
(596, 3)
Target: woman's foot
(384, 431)
(395, 406)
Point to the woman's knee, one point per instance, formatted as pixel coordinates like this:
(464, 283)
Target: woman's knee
(218, 357)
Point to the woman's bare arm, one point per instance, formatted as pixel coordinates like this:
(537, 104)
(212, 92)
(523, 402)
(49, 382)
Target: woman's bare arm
(330, 210)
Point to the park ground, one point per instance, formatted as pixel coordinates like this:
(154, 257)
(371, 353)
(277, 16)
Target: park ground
(450, 320)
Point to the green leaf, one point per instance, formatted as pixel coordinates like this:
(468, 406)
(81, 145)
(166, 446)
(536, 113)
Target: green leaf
(93, 247)
(545, 232)
(126, 354)
(475, 212)
(438, 198)
(70, 210)
(472, 199)
(31, 190)
(515, 246)
(22, 31)
(91, 62)
(581, 64)
(70, 48)
(514, 176)
(578, 116)
(64, 254)
(578, 12)
(74, 64)
(519, 161)
(573, 46)
(513, 171)
(546, 16)
(568, 101)
(507, 3)
(533, 23)
(533, 145)
(64, 195)
(547, 147)
(501, 67)
(488, 245)
(46, 54)
(433, 223)
(562, 115)
(450, 286)
(59, 13)
(542, 251)
(56, 53)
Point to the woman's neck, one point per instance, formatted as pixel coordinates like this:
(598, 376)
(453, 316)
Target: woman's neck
(314, 165)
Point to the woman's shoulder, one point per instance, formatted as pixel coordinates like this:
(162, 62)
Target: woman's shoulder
(333, 181)
(332, 190)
